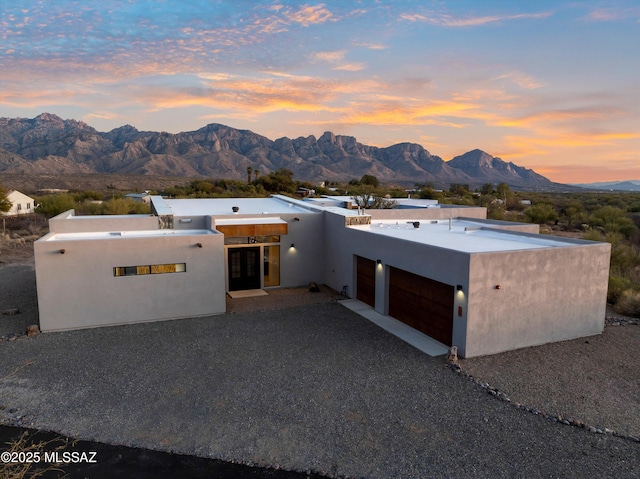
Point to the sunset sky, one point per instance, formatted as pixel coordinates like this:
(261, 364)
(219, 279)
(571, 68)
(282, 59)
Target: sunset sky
(549, 85)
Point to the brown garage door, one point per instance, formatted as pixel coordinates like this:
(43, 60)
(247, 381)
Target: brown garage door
(366, 280)
(422, 303)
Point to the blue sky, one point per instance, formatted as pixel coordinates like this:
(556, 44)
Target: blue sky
(550, 85)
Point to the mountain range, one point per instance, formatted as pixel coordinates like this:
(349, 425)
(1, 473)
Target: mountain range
(630, 185)
(47, 144)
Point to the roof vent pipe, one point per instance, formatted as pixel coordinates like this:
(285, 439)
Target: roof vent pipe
(450, 223)
(235, 209)
(416, 224)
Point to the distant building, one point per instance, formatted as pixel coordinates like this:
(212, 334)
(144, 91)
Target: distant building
(139, 197)
(21, 204)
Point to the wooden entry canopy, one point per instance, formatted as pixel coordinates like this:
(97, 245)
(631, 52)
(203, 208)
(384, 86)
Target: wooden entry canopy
(252, 226)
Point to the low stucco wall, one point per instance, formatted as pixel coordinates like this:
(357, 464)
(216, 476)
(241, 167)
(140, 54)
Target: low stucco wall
(544, 295)
(67, 222)
(441, 213)
(78, 289)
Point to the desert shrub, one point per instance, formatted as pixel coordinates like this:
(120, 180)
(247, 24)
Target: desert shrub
(592, 235)
(624, 256)
(617, 286)
(541, 213)
(124, 206)
(628, 304)
(613, 220)
(52, 205)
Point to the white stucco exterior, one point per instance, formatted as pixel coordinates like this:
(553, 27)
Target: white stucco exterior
(513, 287)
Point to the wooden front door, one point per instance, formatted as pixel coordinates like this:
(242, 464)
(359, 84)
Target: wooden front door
(244, 268)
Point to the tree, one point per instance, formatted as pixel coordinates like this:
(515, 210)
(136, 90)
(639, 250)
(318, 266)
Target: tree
(280, 181)
(487, 189)
(5, 204)
(249, 171)
(458, 188)
(366, 196)
(541, 213)
(369, 180)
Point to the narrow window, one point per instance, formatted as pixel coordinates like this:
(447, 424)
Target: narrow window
(272, 265)
(149, 269)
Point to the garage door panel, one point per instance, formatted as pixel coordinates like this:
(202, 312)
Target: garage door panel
(366, 280)
(422, 303)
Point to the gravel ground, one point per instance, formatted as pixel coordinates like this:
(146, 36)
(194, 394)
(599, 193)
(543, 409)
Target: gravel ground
(316, 387)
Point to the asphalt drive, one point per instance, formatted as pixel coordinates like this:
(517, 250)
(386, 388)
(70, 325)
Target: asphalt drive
(313, 388)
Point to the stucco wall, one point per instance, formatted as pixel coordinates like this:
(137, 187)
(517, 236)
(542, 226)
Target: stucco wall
(67, 222)
(441, 213)
(545, 295)
(304, 263)
(77, 289)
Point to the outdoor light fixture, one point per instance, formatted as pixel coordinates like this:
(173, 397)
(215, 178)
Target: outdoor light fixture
(199, 245)
(498, 286)
(293, 245)
(62, 251)
(459, 287)
(379, 261)
(296, 219)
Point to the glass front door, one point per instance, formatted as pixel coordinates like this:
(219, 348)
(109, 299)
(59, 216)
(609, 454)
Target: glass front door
(244, 268)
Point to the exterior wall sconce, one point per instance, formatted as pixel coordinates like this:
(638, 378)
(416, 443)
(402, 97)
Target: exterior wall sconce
(62, 251)
(379, 261)
(296, 219)
(199, 245)
(293, 245)
(459, 287)
(498, 286)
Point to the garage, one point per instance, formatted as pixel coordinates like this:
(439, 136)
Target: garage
(366, 280)
(422, 303)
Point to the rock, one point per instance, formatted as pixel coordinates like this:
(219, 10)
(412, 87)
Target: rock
(33, 330)
(453, 354)
(11, 311)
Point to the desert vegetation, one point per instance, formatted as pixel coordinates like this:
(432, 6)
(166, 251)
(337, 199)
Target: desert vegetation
(613, 217)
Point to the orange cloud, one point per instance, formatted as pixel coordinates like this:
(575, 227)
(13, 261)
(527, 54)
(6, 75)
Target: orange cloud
(334, 56)
(451, 21)
(310, 14)
(351, 67)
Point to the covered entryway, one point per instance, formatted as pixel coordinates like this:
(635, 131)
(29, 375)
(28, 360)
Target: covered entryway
(366, 280)
(422, 303)
(244, 268)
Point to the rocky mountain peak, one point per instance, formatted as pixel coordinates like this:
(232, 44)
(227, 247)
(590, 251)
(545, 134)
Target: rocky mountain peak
(49, 143)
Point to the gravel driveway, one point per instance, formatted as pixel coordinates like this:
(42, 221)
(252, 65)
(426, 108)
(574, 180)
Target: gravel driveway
(311, 386)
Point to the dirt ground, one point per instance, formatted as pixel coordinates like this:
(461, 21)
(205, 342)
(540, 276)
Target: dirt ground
(591, 382)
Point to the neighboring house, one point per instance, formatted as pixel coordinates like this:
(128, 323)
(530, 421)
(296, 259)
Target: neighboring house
(139, 197)
(484, 286)
(20, 203)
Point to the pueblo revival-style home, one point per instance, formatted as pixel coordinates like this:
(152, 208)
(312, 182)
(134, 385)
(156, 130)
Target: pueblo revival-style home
(483, 286)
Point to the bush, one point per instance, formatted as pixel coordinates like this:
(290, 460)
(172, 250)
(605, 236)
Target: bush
(613, 220)
(617, 286)
(541, 213)
(628, 304)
